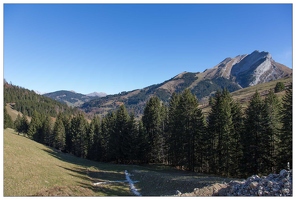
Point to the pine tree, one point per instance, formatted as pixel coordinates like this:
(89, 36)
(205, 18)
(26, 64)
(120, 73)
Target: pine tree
(47, 130)
(173, 126)
(35, 126)
(95, 142)
(252, 137)
(8, 123)
(17, 124)
(108, 124)
(59, 135)
(235, 148)
(280, 86)
(143, 145)
(153, 127)
(133, 136)
(285, 145)
(270, 133)
(79, 127)
(220, 127)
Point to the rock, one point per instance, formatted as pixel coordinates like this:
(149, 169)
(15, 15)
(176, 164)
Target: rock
(253, 185)
(283, 172)
(178, 192)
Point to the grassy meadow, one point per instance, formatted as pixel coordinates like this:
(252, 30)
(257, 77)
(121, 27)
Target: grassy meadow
(33, 169)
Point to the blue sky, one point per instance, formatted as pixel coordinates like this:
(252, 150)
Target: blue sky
(121, 47)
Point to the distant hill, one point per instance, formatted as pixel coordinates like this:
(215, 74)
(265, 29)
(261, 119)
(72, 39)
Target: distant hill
(27, 101)
(72, 98)
(232, 73)
(97, 94)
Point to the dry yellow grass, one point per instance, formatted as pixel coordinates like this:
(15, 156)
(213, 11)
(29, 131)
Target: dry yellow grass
(33, 169)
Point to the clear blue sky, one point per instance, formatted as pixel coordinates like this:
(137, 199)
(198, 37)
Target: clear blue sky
(121, 47)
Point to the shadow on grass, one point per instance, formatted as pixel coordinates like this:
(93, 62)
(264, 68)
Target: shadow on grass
(92, 172)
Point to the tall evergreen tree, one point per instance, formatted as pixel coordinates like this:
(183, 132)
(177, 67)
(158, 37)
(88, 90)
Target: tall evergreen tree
(8, 123)
(34, 131)
(119, 139)
(252, 137)
(143, 144)
(47, 130)
(59, 134)
(220, 127)
(153, 127)
(173, 131)
(270, 133)
(108, 124)
(285, 145)
(235, 148)
(79, 127)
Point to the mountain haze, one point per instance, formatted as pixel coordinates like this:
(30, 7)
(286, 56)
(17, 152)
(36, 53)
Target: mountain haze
(232, 73)
(71, 98)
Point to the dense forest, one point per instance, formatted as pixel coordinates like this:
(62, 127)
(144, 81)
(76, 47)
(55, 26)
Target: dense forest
(27, 101)
(229, 141)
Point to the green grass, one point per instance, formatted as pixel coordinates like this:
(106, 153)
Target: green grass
(33, 169)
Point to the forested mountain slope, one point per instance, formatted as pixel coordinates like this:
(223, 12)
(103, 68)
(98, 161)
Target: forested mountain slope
(27, 101)
(232, 73)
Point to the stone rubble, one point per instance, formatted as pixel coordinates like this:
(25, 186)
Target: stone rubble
(271, 185)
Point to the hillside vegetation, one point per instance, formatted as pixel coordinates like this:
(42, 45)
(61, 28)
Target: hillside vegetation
(27, 101)
(33, 169)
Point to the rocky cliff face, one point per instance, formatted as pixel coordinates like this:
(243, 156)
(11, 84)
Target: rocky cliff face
(258, 67)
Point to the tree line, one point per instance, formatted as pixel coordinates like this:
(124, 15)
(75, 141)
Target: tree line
(229, 141)
(27, 101)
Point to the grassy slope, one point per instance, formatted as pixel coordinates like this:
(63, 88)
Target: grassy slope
(245, 94)
(31, 168)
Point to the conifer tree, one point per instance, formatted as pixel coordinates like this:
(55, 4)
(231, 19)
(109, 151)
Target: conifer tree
(142, 141)
(220, 126)
(17, 124)
(270, 133)
(119, 139)
(34, 131)
(108, 124)
(153, 127)
(8, 123)
(59, 134)
(252, 137)
(285, 145)
(235, 148)
(133, 136)
(79, 139)
(173, 130)
(95, 147)
(47, 130)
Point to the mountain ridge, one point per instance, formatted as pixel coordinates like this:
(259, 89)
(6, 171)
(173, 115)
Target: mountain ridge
(232, 73)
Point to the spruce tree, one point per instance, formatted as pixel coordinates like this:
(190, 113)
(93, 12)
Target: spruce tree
(35, 126)
(252, 137)
(95, 148)
(153, 127)
(59, 135)
(285, 143)
(270, 133)
(235, 148)
(173, 130)
(18, 124)
(8, 123)
(47, 130)
(79, 127)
